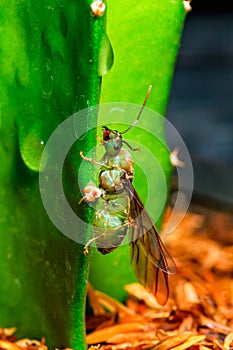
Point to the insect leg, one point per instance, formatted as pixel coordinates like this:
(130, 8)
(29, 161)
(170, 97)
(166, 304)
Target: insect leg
(85, 252)
(110, 167)
(93, 160)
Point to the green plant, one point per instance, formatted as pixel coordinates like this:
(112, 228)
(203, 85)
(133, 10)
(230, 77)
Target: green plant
(145, 49)
(52, 55)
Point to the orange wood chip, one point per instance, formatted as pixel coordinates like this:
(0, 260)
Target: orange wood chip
(7, 345)
(102, 335)
(228, 341)
(171, 342)
(137, 290)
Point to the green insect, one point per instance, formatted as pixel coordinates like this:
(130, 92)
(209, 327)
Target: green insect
(121, 210)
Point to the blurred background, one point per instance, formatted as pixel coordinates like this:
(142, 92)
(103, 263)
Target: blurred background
(201, 101)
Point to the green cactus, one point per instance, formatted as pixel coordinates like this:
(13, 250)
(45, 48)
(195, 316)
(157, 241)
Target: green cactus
(145, 49)
(49, 70)
(52, 56)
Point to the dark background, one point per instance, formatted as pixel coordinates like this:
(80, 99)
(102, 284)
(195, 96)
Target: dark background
(210, 6)
(201, 101)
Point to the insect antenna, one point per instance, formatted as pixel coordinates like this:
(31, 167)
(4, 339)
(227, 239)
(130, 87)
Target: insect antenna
(139, 114)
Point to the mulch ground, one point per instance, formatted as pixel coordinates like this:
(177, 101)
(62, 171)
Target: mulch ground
(199, 312)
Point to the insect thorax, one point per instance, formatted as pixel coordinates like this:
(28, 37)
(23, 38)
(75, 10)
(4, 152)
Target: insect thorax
(122, 160)
(121, 165)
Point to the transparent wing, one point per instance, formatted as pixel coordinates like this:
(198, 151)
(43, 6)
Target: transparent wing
(149, 258)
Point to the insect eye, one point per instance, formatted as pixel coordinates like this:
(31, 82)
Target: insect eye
(116, 148)
(106, 134)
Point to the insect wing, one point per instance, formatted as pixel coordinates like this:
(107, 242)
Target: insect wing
(148, 273)
(151, 263)
(149, 258)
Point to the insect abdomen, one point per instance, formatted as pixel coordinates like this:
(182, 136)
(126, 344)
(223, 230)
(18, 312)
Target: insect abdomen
(110, 226)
